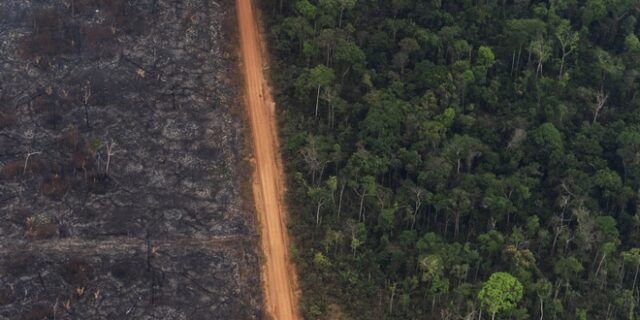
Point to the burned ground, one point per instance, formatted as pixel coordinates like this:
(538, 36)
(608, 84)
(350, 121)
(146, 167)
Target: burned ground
(120, 163)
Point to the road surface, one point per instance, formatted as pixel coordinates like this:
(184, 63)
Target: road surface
(278, 273)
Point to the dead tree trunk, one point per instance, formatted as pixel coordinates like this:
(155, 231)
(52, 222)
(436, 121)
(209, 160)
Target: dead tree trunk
(601, 99)
(26, 160)
(110, 152)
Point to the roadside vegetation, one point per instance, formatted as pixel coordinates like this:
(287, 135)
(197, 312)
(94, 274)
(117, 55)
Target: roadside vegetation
(451, 159)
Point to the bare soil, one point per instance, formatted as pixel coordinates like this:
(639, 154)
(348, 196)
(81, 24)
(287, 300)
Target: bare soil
(279, 277)
(120, 163)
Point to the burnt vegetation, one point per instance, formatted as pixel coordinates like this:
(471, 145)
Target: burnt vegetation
(53, 34)
(119, 160)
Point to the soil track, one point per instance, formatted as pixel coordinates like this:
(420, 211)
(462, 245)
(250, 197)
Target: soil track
(278, 272)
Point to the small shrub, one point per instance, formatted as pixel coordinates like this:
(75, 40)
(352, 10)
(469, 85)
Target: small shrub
(83, 160)
(71, 138)
(98, 182)
(12, 169)
(98, 40)
(37, 164)
(56, 187)
(7, 295)
(77, 272)
(7, 120)
(39, 43)
(117, 8)
(49, 38)
(41, 230)
(53, 120)
(40, 312)
(42, 103)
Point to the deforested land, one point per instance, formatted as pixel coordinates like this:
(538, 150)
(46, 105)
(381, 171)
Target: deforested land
(121, 163)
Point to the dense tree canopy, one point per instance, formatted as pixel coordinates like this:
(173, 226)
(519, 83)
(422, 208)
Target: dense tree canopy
(451, 159)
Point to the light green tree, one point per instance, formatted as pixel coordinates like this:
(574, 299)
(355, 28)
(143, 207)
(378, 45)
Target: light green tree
(345, 4)
(306, 9)
(486, 56)
(568, 40)
(541, 51)
(500, 293)
(317, 77)
(633, 256)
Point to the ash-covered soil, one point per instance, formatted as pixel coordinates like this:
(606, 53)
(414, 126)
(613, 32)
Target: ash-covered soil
(121, 165)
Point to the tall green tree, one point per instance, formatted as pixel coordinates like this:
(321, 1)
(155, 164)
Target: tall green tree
(500, 293)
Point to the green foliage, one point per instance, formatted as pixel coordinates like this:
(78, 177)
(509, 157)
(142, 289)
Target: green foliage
(95, 143)
(320, 75)
(349, 54)
(632, 256)
(486, 56)
(321, 260)
(568, 267)
(500, 293)
(548, 139)
(632, 43)
(306, 9)
(452, 139)
(594, 10)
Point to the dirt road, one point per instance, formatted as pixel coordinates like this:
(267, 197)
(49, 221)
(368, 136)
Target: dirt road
(278, 272)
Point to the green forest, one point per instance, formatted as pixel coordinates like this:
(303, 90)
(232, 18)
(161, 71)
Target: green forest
(461, 159)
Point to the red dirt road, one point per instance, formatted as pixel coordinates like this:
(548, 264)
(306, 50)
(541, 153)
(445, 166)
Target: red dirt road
(278, 273)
